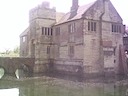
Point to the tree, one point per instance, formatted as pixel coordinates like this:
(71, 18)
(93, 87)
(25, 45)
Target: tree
(16, 50)
(7, 51)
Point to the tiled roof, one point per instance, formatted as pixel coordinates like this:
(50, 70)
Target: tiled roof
(59, 15)
(81, 10)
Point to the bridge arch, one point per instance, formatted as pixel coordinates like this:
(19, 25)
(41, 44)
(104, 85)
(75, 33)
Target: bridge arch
(2, 71)
(23, 71)
(11, 64)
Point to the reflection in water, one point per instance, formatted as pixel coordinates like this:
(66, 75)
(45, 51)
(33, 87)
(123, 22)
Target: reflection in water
(1, 72)
(47, 86)
(9, 92)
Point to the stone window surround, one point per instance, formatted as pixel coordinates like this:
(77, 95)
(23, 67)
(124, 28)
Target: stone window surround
(92, 26)
(116, 28)
(23, 38)
(71, 50)
(71, 28)
(47, 31)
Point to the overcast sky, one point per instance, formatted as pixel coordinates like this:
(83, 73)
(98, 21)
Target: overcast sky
(14, 17)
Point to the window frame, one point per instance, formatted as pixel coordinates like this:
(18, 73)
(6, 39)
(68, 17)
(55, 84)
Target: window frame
(72, 28)
(116, 28)
(23, 38)
(71, 50)
(48, 49)
(92, 26)
(47, 31)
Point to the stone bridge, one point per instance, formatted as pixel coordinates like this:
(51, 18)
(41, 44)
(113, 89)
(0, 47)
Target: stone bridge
(11, 64)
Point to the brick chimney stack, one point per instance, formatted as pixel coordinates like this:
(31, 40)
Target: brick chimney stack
(74, 8)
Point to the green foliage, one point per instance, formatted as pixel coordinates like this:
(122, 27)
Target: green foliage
(16, 50)
(10, 53)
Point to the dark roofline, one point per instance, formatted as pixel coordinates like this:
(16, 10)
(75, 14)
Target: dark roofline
(67, 22)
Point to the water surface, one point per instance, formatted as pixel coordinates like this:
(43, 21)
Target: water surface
(51, 86)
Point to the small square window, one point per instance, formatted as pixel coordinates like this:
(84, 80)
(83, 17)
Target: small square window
(23, 39)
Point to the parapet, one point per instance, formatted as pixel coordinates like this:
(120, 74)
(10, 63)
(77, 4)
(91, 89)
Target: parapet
(42, 11)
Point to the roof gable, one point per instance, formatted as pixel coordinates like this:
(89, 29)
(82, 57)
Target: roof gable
(81, 10)
(114, 15)
(25, 32)
(100, 7)
(93, 11)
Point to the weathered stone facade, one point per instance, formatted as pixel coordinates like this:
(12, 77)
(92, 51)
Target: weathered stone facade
(88, 38)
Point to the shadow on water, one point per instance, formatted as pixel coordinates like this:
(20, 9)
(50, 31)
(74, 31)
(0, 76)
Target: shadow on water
(81, 78)
(75, 77)
(67, 77)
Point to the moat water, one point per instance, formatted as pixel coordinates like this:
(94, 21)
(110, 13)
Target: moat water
(63, 85)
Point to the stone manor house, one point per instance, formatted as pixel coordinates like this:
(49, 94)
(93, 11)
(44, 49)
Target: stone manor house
(87, 38)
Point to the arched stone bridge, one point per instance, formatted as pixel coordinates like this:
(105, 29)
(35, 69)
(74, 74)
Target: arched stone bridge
(10, 65)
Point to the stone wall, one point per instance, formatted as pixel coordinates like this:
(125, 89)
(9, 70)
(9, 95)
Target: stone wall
(10, 65)
(96, 51)
(96, 59)
(64, 61)
(67, 39)
(24, 43)
(92, 49)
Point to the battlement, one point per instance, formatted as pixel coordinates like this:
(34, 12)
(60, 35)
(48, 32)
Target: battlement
(42, 11)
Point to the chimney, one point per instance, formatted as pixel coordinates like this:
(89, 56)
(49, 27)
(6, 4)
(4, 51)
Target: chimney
(74, 5)
(74, 8)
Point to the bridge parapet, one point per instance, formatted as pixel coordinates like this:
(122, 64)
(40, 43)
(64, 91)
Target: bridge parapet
(11, 64)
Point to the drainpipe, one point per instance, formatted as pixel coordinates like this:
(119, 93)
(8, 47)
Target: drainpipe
(100, 40)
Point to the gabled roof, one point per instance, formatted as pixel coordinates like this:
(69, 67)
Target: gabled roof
(25, 32)
(81, 10)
